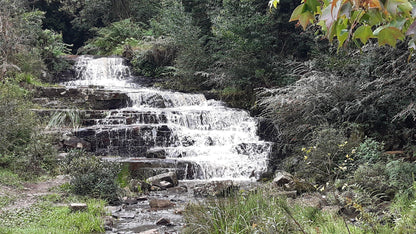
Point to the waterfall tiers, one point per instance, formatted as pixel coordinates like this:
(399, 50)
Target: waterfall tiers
(200, 138)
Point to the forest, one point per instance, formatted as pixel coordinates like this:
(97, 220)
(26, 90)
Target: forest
(336, 94)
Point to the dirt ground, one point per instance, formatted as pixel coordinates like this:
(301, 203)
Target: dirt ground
(30, 192)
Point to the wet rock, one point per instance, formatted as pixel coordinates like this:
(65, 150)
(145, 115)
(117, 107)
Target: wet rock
(164, 222)
(288, 182)
(216, 189)
(152, 231)
(130, 201)
(177, 190)
(124, 215)
(108, 223)
(165, 180)
(112, 209)
(155, 188)
(142, 198)
(77, 207)
(156, 153)
(160, 203)
(282, 178)
(88, 98)
(76, 143)
(156, 100)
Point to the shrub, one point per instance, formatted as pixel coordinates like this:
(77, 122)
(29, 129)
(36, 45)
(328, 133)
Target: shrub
(401, 174)
(112, 36)
(22, 148)
(93, 177)
(328, 157)
(154, 58)
(370, 151)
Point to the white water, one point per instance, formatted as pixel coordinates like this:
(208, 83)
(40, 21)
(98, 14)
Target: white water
(223, 140)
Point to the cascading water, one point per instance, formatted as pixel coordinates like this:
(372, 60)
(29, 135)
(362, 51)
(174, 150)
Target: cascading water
(220, 142)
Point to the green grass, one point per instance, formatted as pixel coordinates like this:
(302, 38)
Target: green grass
(45, 217)
(6, 200)
(9, 178)
(263, 212)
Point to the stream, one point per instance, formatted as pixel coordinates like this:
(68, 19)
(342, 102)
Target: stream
(202, 141)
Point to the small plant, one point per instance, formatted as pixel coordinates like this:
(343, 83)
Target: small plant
(90, 176)
(370, 151)
(69, 118)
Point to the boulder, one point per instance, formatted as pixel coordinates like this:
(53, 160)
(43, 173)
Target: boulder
(165, 180)
(288, 182)
(282, 178)
(160, 203)
(216, 189)
(76, 143)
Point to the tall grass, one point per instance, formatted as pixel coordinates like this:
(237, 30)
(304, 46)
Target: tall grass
(263, 212)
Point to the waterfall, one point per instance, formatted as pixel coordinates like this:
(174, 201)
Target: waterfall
(219, 142)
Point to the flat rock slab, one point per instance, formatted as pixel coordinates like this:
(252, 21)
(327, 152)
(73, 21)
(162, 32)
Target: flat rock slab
(160, 203)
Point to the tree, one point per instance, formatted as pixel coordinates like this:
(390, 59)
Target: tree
(359, 20)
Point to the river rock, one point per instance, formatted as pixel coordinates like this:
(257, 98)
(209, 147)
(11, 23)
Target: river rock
(156, 153)
(179, 189)
(288, 182)
(78, 207)
(216, 189)
(151, 231)
(76, 143)
(165, 180)
(164, 222)
(108, 223)
(160, 203)
(125, 215)
(130, 201)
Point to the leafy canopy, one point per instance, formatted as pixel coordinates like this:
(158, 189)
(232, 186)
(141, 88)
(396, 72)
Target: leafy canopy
(359, 20)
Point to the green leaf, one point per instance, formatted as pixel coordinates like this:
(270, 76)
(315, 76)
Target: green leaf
(297, 12)
(312, 5)
(374, 17)
(363, 33)
(389, 36)
(342, 32)
(305, 19)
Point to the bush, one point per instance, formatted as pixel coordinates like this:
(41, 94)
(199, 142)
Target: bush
(370, 151)
(110, 37)
(328, 157)
(22, 148)
(155, 58)
(90, 176)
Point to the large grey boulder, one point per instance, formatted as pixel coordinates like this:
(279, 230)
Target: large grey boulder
(165, 180)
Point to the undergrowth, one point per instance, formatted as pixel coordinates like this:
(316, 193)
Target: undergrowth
(263, 211)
